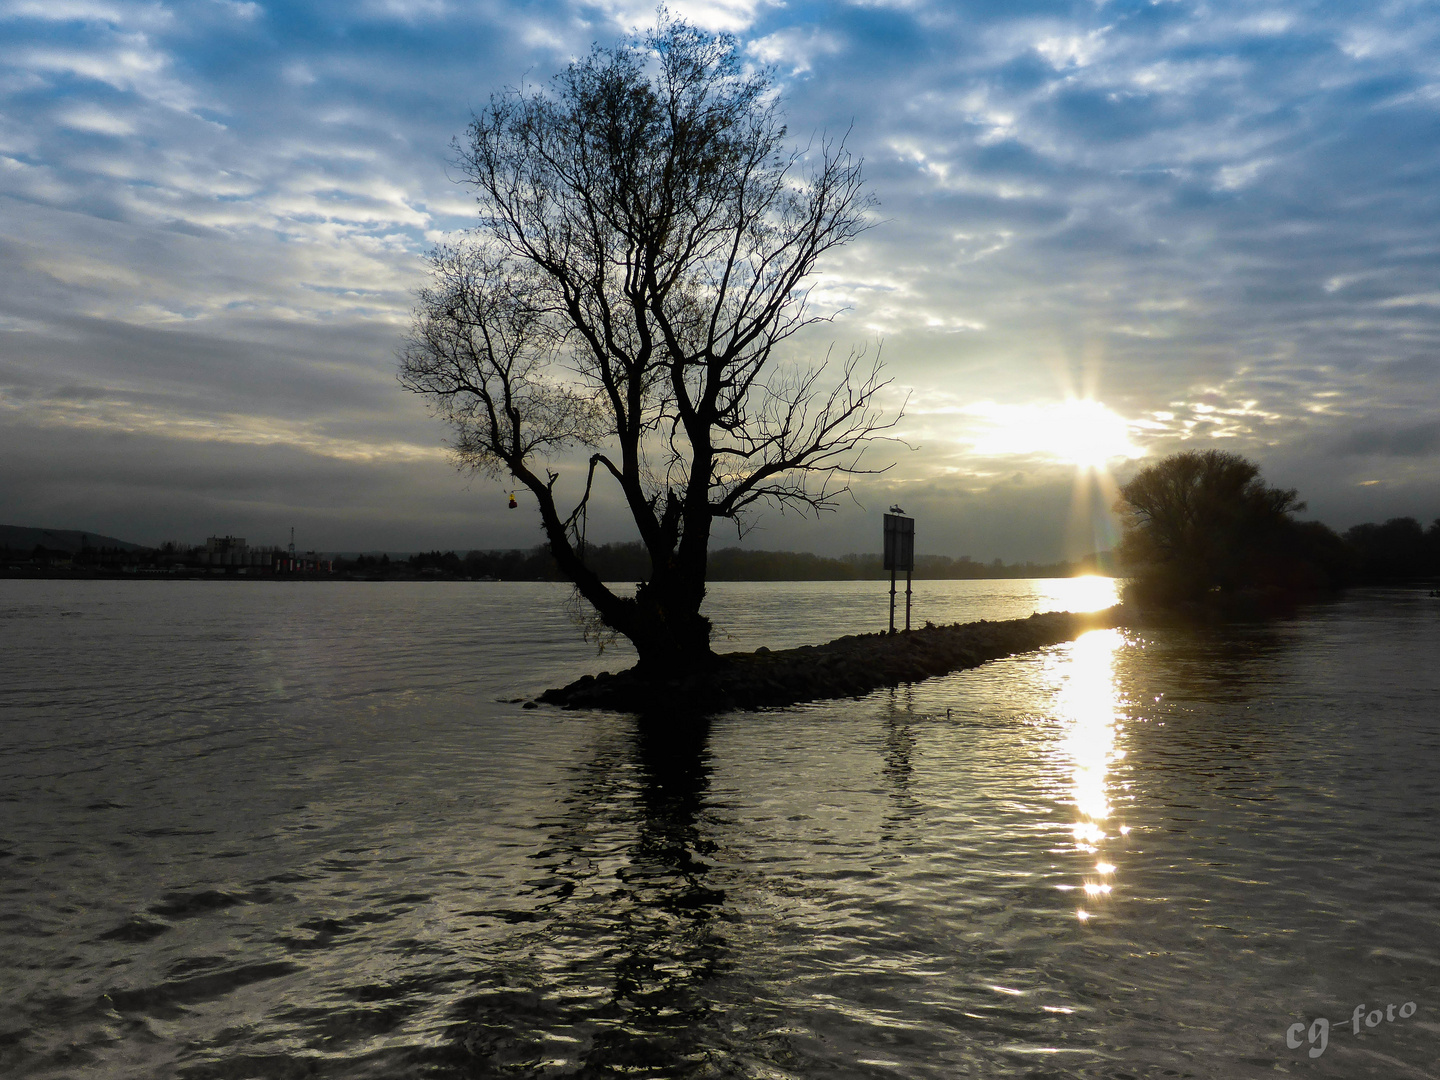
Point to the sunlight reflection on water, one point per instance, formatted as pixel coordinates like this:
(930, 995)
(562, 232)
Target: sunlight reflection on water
(1087, 702)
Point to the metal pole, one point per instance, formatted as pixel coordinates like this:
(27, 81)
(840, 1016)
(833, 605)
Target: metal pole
(892, 599)
(908, 574)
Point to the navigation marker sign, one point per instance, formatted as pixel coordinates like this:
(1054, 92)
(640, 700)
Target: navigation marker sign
(899, 555)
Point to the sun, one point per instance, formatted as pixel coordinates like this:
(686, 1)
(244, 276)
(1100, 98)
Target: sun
(1079, 432)
(1088, 435)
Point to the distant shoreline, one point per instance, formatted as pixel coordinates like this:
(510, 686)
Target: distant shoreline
(27, 574)
(73, 554)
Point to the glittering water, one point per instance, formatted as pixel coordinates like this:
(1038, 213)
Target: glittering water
(254, 829)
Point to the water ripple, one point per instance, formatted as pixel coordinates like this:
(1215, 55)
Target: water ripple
(253, 831)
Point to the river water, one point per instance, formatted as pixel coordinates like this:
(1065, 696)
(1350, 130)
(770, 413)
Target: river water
(267, 829)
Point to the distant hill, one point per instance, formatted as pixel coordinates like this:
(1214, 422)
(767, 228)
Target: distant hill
(20, 538)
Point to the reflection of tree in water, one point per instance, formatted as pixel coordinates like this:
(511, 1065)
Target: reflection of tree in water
(899, 739)
(621, 936)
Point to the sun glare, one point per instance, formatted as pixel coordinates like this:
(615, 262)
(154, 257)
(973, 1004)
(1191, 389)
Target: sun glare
(1089, 592)
(1085, 434)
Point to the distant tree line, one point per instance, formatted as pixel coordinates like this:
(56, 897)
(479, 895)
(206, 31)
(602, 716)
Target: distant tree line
(89, 558)
(169, 558)
(620, 562)
(1399, 550)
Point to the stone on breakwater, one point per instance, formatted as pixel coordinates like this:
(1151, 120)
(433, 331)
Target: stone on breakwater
(846, 667)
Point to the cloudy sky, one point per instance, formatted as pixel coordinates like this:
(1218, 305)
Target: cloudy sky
(1108, 230)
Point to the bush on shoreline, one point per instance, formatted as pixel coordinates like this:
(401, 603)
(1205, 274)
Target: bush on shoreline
(1201, 530)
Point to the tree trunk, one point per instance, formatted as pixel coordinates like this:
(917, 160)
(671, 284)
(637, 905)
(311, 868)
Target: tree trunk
(669, 632)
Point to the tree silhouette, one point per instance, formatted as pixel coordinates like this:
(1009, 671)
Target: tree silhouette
(1396, 550)
(1203, 521)
(644, 242)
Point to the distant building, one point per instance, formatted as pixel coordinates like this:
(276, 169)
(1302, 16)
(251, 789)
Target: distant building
(226, 551)
(305, 562)
(221, 551)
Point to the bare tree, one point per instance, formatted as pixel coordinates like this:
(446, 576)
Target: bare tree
(644, 244)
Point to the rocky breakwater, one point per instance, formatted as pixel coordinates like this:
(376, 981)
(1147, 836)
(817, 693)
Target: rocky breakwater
(846, 667)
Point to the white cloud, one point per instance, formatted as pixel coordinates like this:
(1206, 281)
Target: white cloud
(246, 10)
(405, 10)
(299, 74)
(115, 413)
(1426, 299)
(139, 15)
(1234, 177)
(126, 62)
(795, 49)
(727, 15)
(93, 118)
(1072, 50)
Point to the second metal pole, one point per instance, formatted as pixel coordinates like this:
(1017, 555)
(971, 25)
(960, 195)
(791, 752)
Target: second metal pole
(908, 574)
(892, 600)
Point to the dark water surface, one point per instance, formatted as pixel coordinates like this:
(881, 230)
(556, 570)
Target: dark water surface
(254, 829)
